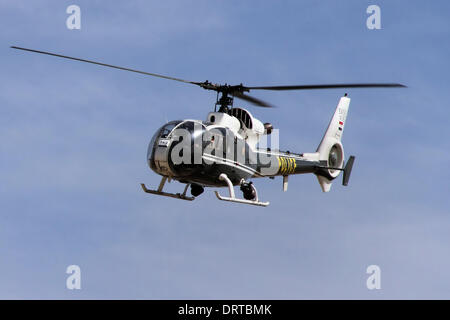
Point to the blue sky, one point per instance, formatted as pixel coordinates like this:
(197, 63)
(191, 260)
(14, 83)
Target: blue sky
(74, 140)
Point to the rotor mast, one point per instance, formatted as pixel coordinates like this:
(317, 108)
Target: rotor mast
(225, 100)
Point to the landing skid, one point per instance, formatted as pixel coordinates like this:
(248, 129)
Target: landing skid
(159, 192)
(232, 197)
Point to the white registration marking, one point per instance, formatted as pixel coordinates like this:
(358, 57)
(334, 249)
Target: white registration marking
(163, 142)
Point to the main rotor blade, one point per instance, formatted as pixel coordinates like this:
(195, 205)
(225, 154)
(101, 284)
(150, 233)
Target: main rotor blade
(330, 86)
(107, 65)
(251, 99)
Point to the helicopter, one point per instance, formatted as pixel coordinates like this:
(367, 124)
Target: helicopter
(225, 150)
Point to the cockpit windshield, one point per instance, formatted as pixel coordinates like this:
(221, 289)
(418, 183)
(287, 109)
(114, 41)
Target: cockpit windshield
(193, 127)
(167, 128)
(173, 131)
(162, 132)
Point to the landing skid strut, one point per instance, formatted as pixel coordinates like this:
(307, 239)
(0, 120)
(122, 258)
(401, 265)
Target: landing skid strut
(233, 198)
(159, 192)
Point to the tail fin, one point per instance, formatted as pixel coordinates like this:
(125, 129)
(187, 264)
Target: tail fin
(330, 149)
(337, 123)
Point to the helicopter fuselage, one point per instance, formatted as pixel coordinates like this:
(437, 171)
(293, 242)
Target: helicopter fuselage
(198, 152)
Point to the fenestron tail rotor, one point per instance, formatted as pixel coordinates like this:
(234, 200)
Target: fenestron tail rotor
(229, 90)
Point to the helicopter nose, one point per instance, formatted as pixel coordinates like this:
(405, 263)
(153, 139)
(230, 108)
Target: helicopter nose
(150, 159)
(172, 151)
(159, 159)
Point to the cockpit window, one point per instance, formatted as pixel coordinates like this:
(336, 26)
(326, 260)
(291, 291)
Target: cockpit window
(166, 129)
(188, 125)
(191, 126)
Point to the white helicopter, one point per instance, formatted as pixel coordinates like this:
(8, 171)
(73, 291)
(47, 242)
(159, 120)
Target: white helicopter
(223, 150)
